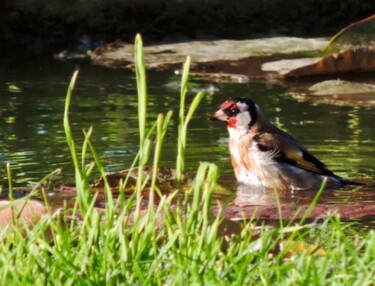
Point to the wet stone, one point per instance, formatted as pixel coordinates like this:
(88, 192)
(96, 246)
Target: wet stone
(22, 212)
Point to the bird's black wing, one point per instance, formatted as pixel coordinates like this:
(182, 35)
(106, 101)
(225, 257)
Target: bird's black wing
(286, 149)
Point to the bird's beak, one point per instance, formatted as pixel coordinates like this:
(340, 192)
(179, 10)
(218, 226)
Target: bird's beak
(218, 115)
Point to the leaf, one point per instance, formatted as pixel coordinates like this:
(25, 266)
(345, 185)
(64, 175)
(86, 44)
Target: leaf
(359, 59)
(358, 33)
(300, 247)
(356, 44)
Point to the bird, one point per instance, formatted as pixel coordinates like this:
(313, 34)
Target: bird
(265, 157)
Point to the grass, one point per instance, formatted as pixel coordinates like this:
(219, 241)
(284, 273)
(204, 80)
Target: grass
(169, 244)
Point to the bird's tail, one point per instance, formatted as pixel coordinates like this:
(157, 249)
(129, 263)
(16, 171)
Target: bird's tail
(346, 182)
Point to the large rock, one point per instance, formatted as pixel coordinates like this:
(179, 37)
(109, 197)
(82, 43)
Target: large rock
(120, 54)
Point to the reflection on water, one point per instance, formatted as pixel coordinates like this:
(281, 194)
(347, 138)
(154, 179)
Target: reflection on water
(32, 137)
(348, 194)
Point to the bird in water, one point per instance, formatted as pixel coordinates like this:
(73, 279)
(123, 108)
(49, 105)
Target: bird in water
(263, 156)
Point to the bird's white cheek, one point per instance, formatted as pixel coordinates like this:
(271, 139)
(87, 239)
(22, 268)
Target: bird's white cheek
(243, 119)
(243, 106)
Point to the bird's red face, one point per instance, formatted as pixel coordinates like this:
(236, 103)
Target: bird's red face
(237, 113)
(227, 112)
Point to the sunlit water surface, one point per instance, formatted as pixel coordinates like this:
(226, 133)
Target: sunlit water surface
(32, 138)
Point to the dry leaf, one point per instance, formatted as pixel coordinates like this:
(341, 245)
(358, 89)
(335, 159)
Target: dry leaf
(359, 59)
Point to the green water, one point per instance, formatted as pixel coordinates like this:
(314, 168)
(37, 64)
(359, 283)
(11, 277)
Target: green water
(32, 138)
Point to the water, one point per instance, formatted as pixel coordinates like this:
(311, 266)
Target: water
(32, 138)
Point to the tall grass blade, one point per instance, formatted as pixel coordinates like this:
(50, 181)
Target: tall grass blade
(181, 139)
(82, 192)
(141, 88)
(142, 109)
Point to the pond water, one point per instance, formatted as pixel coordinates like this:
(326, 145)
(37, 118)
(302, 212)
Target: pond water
(32, 138)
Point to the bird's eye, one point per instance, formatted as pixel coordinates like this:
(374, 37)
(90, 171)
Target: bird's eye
(232, 111)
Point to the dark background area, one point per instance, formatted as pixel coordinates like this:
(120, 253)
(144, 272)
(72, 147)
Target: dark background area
(40, 27)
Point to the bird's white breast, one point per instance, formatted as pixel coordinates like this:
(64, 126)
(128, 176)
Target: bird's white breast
(254, 167)
(245, 174)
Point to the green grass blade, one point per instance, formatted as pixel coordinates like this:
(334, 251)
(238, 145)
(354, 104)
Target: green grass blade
(181, 141)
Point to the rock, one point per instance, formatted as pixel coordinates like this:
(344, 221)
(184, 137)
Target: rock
(332, 87)
(285, 66)
(24, 211)
(337, 92)
(173, 55)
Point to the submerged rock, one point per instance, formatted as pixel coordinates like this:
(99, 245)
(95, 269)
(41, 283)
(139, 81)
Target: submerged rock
(337, 92)
(334, 87)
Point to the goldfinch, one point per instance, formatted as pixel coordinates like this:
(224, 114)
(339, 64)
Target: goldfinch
(266, 157)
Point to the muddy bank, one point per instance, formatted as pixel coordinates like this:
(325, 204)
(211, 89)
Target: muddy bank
(233, 202)
(84, 25)
(239, 203)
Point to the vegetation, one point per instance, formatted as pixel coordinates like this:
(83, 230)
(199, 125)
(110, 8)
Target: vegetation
(168, 243)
